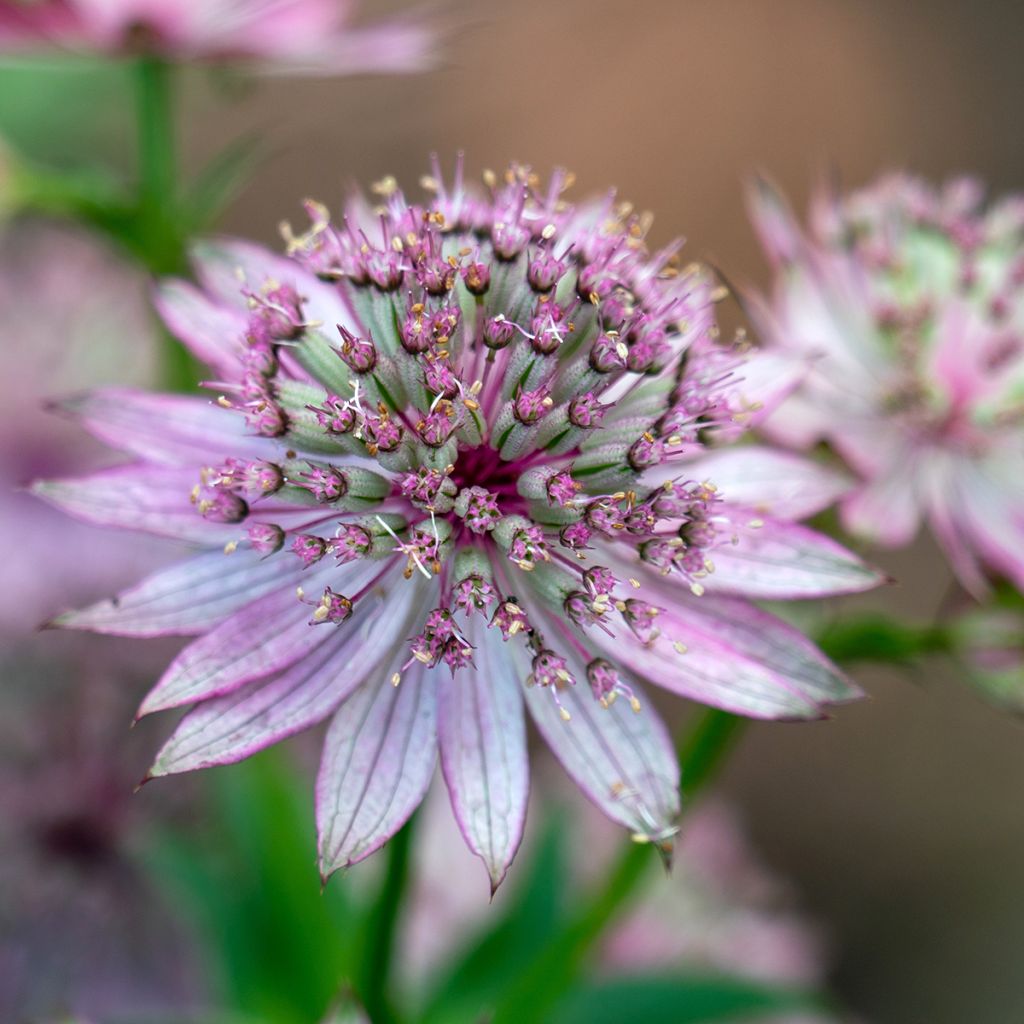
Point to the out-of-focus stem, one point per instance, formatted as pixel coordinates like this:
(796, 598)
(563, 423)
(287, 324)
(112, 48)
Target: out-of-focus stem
(561, 960)
(376, 974)
(159, 240)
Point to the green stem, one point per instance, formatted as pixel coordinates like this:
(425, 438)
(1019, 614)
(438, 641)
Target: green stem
(157, 157)
(159, 239)
(374, 983)
(561, 960)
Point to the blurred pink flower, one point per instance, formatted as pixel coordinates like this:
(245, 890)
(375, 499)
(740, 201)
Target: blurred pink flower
(74, 316)
(719, 911)
(911, 300)
(489, 492)
(722, 911)
(282, 36)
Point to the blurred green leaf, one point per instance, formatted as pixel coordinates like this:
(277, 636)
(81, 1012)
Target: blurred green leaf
(491, 959)
(58, 111)
(279, 948)
(679, 999)
(875, 637)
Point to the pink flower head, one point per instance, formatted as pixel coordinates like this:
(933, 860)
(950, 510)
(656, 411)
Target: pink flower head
(469, 582)
(909, 300)
(281, 36)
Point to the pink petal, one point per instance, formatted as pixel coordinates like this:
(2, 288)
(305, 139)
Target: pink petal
(769, 641)
(396, 47)
(378, 757)
(623, 761)
(769, 481)
(693, 661)
(186, 598)
(268, 635)
(155, 499)
(482, 737)
(226, 266)
(168, 428)
(784, 561)
(887, 508)
(977, 513)
(773, 220)
(227, 729)
(211, 331)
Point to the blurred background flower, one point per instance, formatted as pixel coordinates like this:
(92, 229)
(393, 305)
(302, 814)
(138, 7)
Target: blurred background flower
(908, 301)
(285, 36)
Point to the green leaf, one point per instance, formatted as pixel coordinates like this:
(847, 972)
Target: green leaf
(56, 111)
(491, 959)
(679, 999)
(874, 637)
(279, 948)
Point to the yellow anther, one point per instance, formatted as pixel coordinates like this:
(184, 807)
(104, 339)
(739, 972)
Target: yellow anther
(564, 712)
(230, 547)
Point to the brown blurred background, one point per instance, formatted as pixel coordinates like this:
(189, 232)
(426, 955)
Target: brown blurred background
(901, 819)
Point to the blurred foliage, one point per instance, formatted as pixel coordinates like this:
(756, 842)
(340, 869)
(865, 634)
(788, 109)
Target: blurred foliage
(679, 999)
(67, 115)
(988, 641)
(878, 638)
(491, 960)
(280, 949)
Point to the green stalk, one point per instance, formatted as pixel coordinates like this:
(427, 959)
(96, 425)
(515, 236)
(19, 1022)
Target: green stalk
(158, 237)
(374, 982)
(561, 960)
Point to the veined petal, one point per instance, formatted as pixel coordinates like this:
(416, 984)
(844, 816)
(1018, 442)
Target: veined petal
(211, 331)
(185, 598)
(219, 263)
(785, 561)
(173, 429)
(154, 499)
(227, 729)
(708, 668)
(266, 636)
(623, 760)
(482, 737)
(764, 638)
(378, 757)
(767, 480)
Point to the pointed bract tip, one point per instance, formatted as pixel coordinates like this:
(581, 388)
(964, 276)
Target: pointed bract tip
(667, 852)
(496, 880)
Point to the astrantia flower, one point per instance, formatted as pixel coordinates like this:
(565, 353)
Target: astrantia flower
(293, 36)
(460, 462)
(912, 300)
